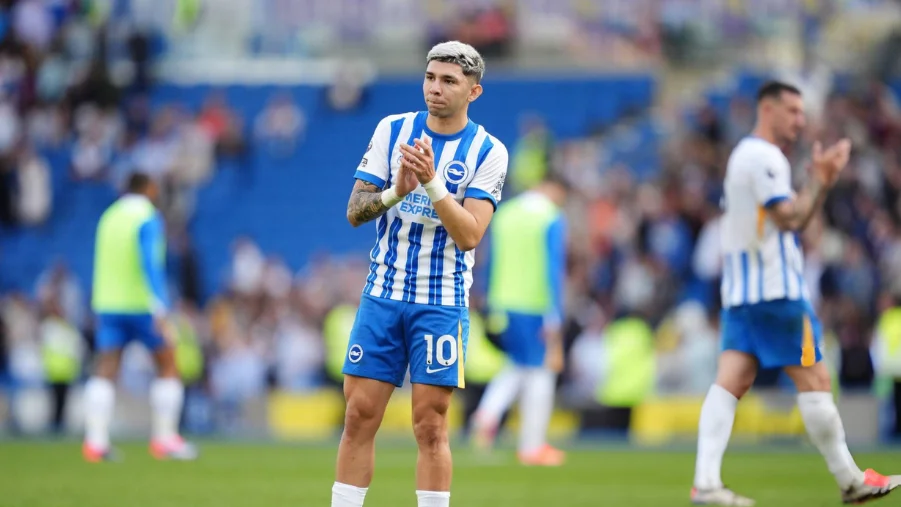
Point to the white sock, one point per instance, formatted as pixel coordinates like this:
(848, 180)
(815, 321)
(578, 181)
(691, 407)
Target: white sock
(499, 395)
(714, 430)
(824, 426)
(166, 395)
(345, 495)
(433, 498)
(536, 405)
(99, 400)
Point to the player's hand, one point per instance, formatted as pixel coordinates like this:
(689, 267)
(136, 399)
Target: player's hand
(553, 355)
(166, 329)
(828, 164)
(405, 182)
(420, 159)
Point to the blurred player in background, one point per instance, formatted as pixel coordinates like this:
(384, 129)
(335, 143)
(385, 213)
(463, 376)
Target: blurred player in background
(767, 317)
(525, 299)
(130, 301)
(431, 180)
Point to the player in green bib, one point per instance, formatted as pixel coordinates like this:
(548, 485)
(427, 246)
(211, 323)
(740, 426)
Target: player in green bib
(525, 298)
(131, 303)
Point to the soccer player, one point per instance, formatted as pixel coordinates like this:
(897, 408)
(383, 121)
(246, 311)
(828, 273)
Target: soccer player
(130, 301)
(431, 180)
(525, 292)
(767, 319)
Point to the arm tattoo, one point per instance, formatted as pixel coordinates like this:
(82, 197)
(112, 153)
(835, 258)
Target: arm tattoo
(365, 203)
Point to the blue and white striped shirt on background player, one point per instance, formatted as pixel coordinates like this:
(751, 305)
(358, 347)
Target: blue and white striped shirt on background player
(760, 263)
(415, 259)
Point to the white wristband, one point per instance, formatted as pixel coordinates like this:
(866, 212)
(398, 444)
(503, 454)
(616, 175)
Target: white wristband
(436, 189)
(390, 198)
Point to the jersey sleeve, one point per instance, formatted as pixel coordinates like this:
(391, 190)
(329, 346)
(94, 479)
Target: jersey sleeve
(374, 166)
(556, 259)
(772, 182)
(150, 237)
(488, 182)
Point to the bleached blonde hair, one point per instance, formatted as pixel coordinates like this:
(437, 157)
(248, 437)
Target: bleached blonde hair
(461, 54)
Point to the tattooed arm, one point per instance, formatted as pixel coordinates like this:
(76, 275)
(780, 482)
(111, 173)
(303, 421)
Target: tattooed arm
(365, 203)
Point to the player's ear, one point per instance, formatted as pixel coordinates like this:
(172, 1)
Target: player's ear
(475, 92)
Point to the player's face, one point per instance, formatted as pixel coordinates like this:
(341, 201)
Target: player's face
(447, 90)
(153, 193)
(789, 116)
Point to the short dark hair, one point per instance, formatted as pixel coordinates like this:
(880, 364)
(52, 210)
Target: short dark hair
(775, 89)
(138, 183)
(555, 178)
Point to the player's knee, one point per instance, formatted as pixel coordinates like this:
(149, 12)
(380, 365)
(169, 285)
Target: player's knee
(812, 379)
(360, 418)
(166, 366)
(430, 426)
(737, 386)
(108, 366)
(430, 432)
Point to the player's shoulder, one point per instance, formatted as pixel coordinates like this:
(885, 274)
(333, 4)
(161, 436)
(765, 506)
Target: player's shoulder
(495, 147)
(391, 118)
(752, 152)
(757, 147)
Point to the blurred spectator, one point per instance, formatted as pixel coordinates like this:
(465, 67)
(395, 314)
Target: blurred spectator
(35, 194)
(223, 125)
(92, 153)
(531, 157)
(280, 126)
(25, 365)
(58, 286)
(63, 350)
(347, 90)
(33, 23)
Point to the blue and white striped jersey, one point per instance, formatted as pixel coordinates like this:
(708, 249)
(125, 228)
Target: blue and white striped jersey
(761, 262)
(414, 258)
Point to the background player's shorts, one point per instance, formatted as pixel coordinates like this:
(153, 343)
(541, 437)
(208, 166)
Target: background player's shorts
(115, 330)
(390, 335)
(779, 333)
(521, 339)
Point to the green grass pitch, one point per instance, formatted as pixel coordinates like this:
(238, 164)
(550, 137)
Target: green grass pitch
(48, 474)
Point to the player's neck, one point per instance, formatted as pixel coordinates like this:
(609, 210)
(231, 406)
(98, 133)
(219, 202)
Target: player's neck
(764, 133)
(447, 126)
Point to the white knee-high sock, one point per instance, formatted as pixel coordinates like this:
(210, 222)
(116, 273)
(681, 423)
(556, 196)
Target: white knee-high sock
(824, 426)
(99, 399)
(498, 397)
(166, 396)
(433, 498)
(345, 495)
(536, 405)
(714, 430)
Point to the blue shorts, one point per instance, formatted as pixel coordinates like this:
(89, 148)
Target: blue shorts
(521, 339)
(115, 330)
(778, 333)
(388, 336)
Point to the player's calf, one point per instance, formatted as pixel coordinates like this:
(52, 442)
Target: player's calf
(434, 465)
(366, 402)
(167, 394)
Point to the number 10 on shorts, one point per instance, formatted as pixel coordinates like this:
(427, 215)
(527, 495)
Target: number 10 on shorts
(444, 351)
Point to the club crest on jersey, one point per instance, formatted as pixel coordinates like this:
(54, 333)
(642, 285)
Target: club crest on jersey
(355, 353)
(455, 172)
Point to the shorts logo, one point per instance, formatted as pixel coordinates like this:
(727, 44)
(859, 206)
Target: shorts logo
(355, 353)
(364, 162)
(455, 172)
(369, 147)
